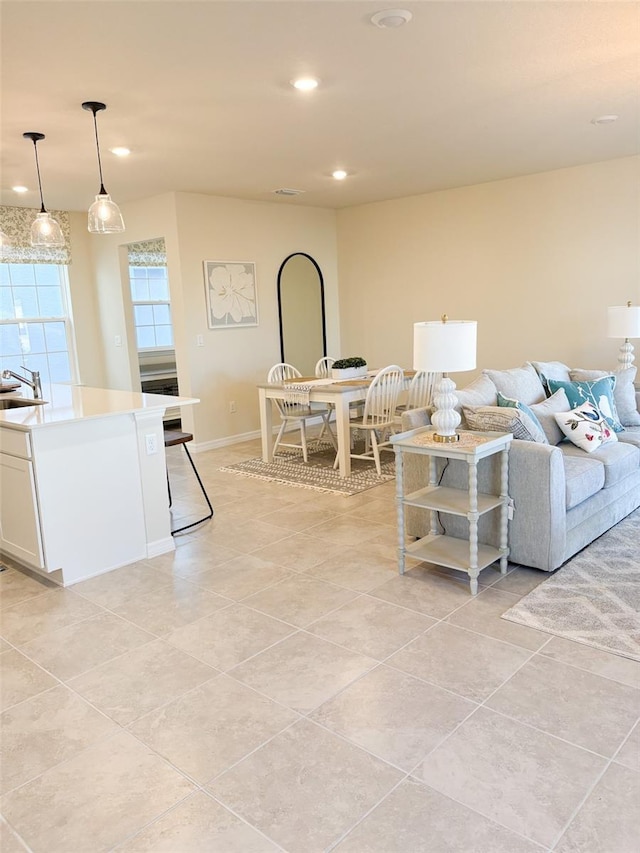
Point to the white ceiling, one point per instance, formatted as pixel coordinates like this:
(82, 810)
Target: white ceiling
(467, 92)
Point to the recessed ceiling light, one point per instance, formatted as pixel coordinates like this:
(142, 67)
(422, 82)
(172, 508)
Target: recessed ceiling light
(339, 174)
(20, 189)
(120, 151)
(604, 120)
(305, 84)
(391, 18)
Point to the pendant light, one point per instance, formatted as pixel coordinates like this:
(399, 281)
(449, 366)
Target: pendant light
(45, 231)
(104, 214)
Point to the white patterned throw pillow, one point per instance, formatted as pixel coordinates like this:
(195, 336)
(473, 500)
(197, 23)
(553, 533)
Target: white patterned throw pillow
(586, 427)
(533, 423)
(503, 419)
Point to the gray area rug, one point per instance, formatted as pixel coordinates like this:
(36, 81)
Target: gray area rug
(594, 598)
(290, 469)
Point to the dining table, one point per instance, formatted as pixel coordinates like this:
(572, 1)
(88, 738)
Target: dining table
(340, 392)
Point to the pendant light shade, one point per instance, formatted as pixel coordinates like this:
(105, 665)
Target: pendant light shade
(45, 231)
(104, 214)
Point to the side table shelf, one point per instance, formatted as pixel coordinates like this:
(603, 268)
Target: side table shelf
(469, 555)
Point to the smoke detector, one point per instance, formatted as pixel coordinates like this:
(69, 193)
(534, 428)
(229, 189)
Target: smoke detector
(390, 19)
(288, 191)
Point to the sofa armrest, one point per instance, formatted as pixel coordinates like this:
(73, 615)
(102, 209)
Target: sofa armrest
(538, 531)
(415, 418)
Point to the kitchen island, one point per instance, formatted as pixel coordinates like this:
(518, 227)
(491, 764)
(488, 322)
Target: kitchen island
(83, 482)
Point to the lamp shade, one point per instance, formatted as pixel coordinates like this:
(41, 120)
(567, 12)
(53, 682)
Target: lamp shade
(105, 216)
(444, 346)
(623, 321)
(46, 232)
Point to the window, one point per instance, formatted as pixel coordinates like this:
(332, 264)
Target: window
(35, 321)
(151, 307)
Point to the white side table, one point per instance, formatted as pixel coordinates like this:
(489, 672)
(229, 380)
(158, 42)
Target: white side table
(467, 556)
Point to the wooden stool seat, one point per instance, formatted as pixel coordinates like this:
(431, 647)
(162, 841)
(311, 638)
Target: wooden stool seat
(172, 438)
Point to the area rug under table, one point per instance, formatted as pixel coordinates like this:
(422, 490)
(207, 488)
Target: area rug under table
(594, 598)
(290, 469)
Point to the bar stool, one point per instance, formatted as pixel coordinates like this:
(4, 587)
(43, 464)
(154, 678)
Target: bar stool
(173, 437)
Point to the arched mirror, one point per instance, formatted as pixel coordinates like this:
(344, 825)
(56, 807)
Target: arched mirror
(303, 337)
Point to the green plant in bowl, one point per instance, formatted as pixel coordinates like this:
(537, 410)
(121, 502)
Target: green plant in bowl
(346, 363)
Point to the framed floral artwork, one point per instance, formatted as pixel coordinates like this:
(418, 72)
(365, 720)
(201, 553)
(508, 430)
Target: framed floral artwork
(230, 288)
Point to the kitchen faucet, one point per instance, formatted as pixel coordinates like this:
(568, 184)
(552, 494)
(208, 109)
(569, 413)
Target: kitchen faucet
(33, 383)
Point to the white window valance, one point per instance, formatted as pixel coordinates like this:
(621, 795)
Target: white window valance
(148, 253)
(15, 222)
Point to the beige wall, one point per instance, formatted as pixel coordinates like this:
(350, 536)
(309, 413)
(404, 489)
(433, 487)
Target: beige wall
(535, 260)
(232, 361)
(154, 217)
(86, 320)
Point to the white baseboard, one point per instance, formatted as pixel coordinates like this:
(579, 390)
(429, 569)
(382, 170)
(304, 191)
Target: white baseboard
(201, 446)
(160, 546)
(228, 440)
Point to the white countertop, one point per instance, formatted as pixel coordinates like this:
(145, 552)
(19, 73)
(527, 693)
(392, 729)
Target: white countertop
(65, 403)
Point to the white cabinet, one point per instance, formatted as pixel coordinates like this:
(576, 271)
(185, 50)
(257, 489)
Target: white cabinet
(83, 481)
(20, 534)
(73, 495)
(470, 555)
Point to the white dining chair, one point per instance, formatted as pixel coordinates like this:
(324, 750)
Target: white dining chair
(295, 412)
(420, 394)
(323, 367)
(377, 420)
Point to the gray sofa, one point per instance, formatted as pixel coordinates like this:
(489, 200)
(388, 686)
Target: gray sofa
(564, 497)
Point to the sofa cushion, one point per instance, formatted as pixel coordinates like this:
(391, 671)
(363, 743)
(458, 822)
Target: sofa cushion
(480, 392)
(519, 383)
(546, 411)
(584, 476)
(624, 393)
(504, 419)
(551, 370)
(631, 435)
(599, 393)
(619, 459)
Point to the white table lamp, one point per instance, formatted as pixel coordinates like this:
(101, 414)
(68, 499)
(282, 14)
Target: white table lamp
(624, 322)
(445, 346)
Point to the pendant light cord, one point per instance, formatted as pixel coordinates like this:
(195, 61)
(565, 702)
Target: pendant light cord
(95, 127)
(35, 148)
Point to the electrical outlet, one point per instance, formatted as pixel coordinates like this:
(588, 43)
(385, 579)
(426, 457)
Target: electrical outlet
(151, 441)
(232, 407)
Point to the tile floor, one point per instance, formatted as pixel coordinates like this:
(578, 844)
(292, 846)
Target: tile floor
(274, 685)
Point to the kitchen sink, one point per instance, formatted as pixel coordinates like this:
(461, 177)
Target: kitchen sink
(19, 403)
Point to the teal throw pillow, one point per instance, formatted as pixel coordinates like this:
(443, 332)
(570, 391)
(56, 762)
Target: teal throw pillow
(509, 403)
(598, 392)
